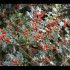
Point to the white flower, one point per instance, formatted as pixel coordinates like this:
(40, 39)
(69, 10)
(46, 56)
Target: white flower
(56, 5)
(61, 23)
(59, 50)
(38, 8)
(67, 39)
(50, 13)
(10, 56)
(42, 30)
(41, 64)
(54, 9)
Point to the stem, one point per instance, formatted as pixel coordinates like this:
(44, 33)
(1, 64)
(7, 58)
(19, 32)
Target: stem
(64, 62)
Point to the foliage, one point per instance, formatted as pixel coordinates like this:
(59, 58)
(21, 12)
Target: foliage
(34, 35)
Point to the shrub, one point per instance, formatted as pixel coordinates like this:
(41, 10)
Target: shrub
(34, 35)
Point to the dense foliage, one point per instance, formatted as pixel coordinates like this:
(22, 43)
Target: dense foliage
(34, 35)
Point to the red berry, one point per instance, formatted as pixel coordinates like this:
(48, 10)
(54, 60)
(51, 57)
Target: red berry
(1, 37)
(23, 46)
(7, 39)
(46, 46)
(25, 32)
(32, 50)
(15, 61)
(3, 15)
(19, 23)
(3, 34)
(40, 31)
(12, 22)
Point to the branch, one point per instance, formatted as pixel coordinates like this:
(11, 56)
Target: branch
(64, 62)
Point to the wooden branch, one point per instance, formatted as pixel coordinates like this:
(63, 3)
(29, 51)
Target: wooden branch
(64, 62)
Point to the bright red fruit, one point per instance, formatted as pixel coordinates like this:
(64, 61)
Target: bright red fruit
(12, 22)
(3, 15)
(1, 37)
(15, 61)
(19, 23)
(25, 32)
(7, 39)
(46, 46)
(23, 46)
(32, 50)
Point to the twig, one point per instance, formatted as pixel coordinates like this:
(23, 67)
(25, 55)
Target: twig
(64, 62)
